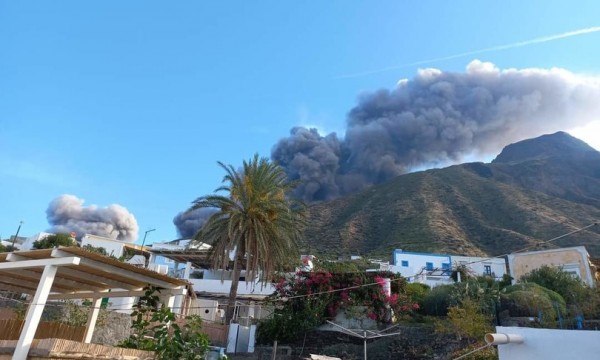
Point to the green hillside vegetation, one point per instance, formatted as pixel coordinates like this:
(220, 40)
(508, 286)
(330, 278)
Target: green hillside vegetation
(470, 209)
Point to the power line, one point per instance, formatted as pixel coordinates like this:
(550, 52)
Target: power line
(284, 299)
(469, 263)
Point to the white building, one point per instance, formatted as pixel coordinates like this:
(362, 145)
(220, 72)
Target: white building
(192, 264)
(425, 268)
(574, 260)
(436, 269)
(481, 266)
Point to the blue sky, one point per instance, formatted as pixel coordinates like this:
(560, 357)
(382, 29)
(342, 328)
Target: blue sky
(134, 102)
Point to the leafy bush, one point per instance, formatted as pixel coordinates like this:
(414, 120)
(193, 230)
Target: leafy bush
(533, 300)
(52, 241)
(591, 307)
(155, 330)
(466, 321)
(417, 293)
(554, 297)
(572, 289)
(439, 299)
(7, 248)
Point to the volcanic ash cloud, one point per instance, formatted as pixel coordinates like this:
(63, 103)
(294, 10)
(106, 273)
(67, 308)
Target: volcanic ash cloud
(189, 222)
(437, 117)
(67, 214)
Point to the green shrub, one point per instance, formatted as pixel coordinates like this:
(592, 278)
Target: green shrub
(439, 299)
(417, 293)
(155, 330)
(483, 290)
(466, 321)
(532, 300)
(572, 289)
(554, 297)
(52, 241)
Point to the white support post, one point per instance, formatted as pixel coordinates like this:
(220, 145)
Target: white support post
(34, 313)
(169, 301)
(178, 304)
(151, 259)
(91, 321)
(188, 270)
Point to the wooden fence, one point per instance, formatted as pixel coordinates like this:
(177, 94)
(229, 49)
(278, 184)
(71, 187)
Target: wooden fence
(7, 313)
(217, 333)
(66, 349)
(11, 329)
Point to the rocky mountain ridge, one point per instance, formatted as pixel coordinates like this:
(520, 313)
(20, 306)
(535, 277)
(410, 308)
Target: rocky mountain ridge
(534, 190)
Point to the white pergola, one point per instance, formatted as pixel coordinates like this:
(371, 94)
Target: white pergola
(74, 273)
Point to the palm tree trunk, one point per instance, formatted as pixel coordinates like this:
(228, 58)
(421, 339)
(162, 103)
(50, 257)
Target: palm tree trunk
(235, 280)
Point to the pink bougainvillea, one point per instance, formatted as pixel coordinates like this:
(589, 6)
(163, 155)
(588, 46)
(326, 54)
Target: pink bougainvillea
(334, 291)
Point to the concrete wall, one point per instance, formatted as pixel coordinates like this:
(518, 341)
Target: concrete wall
(550, 344)
(574, 259)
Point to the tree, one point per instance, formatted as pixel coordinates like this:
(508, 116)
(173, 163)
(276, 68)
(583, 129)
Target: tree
(7, 248)
(571, 288)
(255, 220)
(52, 241)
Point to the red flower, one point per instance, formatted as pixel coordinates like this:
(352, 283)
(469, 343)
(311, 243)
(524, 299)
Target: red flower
(392, 299)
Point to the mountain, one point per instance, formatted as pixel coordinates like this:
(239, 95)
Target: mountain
(534, 190)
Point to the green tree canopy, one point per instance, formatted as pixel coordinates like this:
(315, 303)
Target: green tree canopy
(255, 220)
(52, 241)
(571, 288)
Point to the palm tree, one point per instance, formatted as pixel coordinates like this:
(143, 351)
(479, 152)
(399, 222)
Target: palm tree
(255, 220)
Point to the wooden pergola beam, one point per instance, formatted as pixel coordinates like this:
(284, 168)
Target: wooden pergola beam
(115, 294)
(26, 264)
(59, 282)
(57, 253)
(109, 283)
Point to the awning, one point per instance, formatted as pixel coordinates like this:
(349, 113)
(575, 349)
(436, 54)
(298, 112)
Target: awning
(75, 273)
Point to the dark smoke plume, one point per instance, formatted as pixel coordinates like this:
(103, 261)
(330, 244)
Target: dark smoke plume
(437, 118)
(188, 223)
(67, 214)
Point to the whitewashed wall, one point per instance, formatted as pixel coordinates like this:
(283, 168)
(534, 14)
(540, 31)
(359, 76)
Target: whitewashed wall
(549, 344)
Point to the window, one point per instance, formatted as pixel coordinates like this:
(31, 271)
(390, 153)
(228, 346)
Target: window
(429, 266)
(446, 266)
(405, 263)
(487, 269)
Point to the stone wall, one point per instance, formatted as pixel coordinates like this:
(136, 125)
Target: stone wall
(115, 328)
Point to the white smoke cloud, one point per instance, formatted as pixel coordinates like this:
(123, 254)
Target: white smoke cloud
(67, 213)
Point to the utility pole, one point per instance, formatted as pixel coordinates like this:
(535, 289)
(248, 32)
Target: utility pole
(146, 234)
(17, 235)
